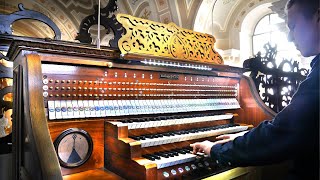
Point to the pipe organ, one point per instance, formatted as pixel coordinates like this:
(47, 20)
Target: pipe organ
(87, 113)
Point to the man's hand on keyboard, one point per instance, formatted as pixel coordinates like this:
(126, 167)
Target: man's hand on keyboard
(205, 146)
(228, 137)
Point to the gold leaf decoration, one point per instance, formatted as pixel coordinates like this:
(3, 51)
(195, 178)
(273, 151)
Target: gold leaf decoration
(166, 40)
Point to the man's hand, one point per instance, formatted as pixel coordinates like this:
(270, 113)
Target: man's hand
(203, 147)
(228, 137)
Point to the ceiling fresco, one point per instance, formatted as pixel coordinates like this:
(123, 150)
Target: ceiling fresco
(221, 18)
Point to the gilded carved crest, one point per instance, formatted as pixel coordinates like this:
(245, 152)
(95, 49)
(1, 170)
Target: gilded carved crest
(166, 40)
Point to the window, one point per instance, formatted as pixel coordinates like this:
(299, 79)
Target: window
(273, 29)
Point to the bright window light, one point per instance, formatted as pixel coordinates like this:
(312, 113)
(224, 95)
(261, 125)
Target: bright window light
(271, 28)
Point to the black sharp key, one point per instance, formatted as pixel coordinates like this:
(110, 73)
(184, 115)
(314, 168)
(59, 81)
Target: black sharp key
(169, 153)
(163, 118)
(181, 151)
(155, 156)
(161, 154)
(123, 120)
(149, 156)
(150, 136)
(140, 120)
(174, 153)
(135, 137)
(155, 136)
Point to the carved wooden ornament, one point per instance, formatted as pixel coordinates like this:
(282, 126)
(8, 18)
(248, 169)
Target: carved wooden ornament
(166, 40)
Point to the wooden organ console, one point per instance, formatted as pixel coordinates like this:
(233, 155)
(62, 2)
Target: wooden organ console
(86, 113)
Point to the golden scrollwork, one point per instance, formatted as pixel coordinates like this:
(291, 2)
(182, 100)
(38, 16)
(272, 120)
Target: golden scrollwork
(5, 116)
(166, 40)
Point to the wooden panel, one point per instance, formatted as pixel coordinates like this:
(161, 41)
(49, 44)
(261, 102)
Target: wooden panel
(253, 110)
(96, 131)
(116, 132)
(97, 174)
(240, 173)
(138, 168)
(128, 149)
(35, 125)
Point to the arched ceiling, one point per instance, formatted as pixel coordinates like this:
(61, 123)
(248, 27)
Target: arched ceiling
(225, 17)
(68, 14)
(222, 18)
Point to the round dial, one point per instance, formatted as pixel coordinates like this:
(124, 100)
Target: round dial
(73, 147)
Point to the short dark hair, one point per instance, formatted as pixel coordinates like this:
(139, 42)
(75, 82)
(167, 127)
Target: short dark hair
(309, 7)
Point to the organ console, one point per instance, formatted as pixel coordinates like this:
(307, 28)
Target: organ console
(85, 113)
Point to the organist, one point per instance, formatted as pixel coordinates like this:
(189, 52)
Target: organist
(293, 134)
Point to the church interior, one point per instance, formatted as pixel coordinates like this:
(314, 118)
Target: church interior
(103, 97)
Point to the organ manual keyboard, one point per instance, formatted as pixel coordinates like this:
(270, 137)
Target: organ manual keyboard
(85, 113)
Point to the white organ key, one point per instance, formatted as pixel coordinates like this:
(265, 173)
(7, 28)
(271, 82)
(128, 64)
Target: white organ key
(81, 109)
(145, 106)
(135, 106)
(92, 109)
(115, 107)
(102, 108)
(236, 103)
(171, 105)
(132, 107)
(64, 111)
(207, 101)
(175, 106)
(151, 106)
(129, 106)
(156, 106)
(163, 106)
(126, 106)
(69, 109)
(107, 107)
(191, 106)
(76, 111)
(142, 107)
(86, 108)
(51, 110)
(97, 108)
(120, 107)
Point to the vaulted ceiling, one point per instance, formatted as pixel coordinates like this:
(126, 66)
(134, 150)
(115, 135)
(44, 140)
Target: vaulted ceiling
(221, 18)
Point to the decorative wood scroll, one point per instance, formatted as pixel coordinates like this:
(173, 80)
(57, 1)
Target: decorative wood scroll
(110, 23)
(166, 40)
(7, 20)
(6, 76)
(275, 84)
